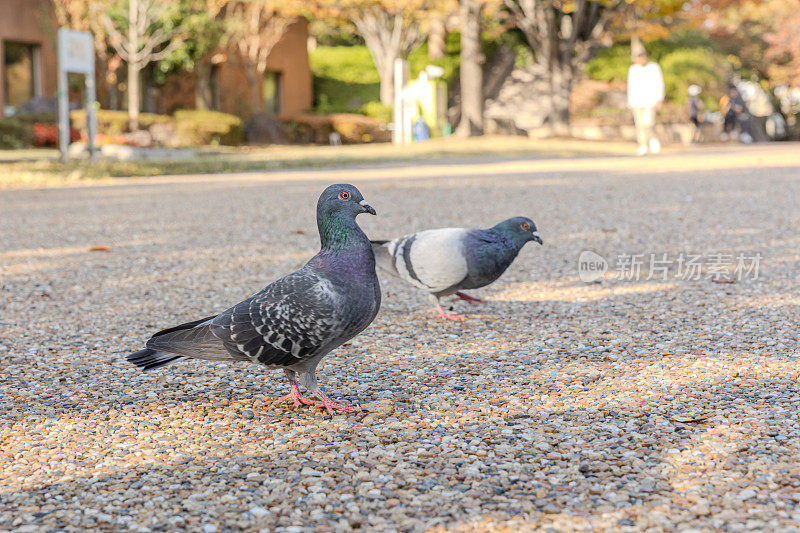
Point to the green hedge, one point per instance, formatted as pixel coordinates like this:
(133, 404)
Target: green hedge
(194, 128)
(15, 134)
(346, 80)
(199, 128)
(42, 118)
(316, 129)
(111, 122)
(349, 64)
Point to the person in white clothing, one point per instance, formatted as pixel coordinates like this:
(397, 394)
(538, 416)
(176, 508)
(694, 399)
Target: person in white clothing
(645, 97)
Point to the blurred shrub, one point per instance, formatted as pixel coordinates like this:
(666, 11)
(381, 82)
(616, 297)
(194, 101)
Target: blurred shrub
(15, 134)
(358, 129)
(148, 119)
(350, 64)
(109, 122)
(337, 96)
(377, 110)
(113, 123)
(699, 66)
(200, 127)
(353, 129)
(308, 129)
(42, 118)
(610, 64)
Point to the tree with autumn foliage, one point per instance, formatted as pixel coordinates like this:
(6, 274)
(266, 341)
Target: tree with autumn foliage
(205, 37)
(82, 15)
(563, 34)
(783, 44)
(141, 32)
(391, 29)
(763, 34)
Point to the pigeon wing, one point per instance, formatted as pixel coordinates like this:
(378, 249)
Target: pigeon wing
(432, 260)
(291, 320)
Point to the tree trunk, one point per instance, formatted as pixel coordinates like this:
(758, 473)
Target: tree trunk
(113, 96)
(133, 96)
(560, 80)
(387, 80)
(133, 66)
(471, 69)
(103, 97)
(437, 40)
(255, 89)
(202, 94)
(149, 93)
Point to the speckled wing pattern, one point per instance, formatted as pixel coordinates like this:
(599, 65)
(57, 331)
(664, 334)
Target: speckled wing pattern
(289, 321)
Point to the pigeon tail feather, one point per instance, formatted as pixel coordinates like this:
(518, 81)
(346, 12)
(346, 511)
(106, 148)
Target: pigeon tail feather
(149, 359)
(187, 325)
(383, 258)
(192, 339)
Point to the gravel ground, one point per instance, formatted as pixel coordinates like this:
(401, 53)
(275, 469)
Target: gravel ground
(622, 405)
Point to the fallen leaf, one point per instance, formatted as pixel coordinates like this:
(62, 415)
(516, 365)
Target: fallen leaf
(300, 232)
(723, 280)
(100, 248)
(689, 419)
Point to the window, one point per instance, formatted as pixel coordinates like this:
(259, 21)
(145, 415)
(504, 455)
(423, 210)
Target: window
(21, 72)
(272, 92)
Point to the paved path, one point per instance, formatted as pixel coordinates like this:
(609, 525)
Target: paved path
(670, 402)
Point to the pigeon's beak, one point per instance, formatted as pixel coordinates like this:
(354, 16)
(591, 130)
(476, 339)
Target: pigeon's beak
(366, 208)
(535, 237)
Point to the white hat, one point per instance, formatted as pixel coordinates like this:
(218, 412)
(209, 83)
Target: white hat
(694, 90)
(637, 48)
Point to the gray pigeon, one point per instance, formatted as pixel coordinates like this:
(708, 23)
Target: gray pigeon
(449, 260)
(297, 320)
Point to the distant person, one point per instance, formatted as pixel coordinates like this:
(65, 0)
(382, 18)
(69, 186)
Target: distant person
(645, 97)
(733, 108)
(728, 117)
(696, 109)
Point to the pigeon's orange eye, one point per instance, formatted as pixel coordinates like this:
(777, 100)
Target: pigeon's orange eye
(344, 195)
(526, 226)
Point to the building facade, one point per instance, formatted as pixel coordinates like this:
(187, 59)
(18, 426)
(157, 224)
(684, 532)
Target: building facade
(286, 87)
(27, 51)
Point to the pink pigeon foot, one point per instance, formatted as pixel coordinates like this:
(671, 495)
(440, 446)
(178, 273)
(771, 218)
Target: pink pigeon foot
(448, 316)
(467, 298)
(332, 406)
(296, 397)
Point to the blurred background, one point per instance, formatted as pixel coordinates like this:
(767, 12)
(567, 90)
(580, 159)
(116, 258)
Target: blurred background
(216, 72)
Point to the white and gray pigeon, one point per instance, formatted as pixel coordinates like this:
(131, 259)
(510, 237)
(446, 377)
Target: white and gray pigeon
(448, 261)
(297, 320)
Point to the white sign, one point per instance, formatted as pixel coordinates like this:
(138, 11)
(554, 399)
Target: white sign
(75, 54)
(75, 51)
